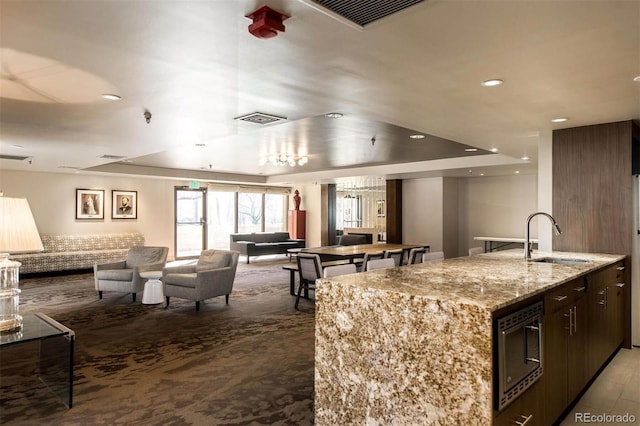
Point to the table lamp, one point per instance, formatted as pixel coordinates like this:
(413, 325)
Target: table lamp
(18, 234)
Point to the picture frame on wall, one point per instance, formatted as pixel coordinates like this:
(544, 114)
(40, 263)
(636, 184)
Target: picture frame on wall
(124, 204)
(89, 204)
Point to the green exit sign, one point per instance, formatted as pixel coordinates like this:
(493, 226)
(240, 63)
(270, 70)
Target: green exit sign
(194, 184)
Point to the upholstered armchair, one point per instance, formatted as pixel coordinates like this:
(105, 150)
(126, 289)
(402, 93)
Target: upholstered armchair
(212, 276)
(124, 276)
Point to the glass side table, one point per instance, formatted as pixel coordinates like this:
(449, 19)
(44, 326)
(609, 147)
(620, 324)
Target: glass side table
(56, 352)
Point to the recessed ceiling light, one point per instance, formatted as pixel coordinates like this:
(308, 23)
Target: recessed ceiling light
(517, 171)
(471, 149)
(481, 174)
(17, 146)
(494, 150)
(559, 120)
(417, 136)
(525, 158)
(492, 82)
(636, 78)
(333, 115)
(111, 97)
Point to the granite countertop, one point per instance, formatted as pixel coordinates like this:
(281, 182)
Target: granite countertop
(490, 281)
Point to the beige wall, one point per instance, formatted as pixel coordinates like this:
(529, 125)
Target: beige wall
(495, 207)
(310, 200)
(52, 200)
(422, 212)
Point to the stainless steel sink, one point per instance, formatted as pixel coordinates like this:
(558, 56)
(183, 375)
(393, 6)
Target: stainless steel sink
(563, 260)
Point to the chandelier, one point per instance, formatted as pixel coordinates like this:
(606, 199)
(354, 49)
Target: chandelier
(284, 160)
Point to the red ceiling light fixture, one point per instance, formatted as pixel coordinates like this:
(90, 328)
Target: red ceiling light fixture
(266, 22)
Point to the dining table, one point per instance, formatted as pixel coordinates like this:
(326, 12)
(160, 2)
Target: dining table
(350, 253)
(336, 255)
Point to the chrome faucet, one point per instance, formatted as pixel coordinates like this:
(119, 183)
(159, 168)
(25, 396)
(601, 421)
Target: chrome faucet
(527, 244)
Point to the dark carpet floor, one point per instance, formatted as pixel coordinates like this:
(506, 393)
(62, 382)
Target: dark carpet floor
(247, 363)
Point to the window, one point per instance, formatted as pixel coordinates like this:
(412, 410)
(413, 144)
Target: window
(275, 210)
(227, 211)
(249, 212)
(221, 211)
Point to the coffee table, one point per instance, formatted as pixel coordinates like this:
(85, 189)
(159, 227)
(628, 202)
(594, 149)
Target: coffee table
(152, 293)
(56, 352)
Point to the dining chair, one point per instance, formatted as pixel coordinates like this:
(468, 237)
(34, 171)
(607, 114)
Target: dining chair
(476, 250)
(374, 264)
(396, 255)
(415, 255)
(332, 271)
(371, 256)
(436, 255)
(310, 269)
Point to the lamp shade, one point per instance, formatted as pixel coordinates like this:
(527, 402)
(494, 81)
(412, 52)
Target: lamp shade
(18, 230)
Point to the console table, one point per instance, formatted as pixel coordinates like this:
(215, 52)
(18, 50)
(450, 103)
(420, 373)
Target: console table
(500, 243)
(56, 352)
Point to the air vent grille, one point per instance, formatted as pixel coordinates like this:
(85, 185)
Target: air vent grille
(260, 118)
(13, 157)
(364, 12)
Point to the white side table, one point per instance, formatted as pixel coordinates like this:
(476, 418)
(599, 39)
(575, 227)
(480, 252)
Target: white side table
(152, 293)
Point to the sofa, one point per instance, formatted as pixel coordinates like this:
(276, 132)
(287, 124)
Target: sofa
(75, 252)
(261, 243)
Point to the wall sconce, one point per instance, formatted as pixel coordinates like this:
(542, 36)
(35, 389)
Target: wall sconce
(18, 234)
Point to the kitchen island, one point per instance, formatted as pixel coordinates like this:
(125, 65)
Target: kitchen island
(414, 344)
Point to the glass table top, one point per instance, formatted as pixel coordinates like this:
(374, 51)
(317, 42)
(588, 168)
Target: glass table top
(35, 327)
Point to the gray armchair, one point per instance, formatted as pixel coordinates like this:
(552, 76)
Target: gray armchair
(124, 276)
(212, 276)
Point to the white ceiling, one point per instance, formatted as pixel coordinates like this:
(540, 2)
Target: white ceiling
(195, 67)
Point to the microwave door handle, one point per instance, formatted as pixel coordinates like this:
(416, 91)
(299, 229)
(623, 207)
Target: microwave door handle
(535, 328)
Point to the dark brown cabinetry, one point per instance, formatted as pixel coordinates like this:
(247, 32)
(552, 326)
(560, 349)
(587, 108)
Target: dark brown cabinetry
(584, 324)
(565, 332)
(606, 301)
(528, 408)
(297, 222)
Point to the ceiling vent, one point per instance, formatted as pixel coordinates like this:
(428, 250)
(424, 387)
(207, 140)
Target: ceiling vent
(366, 11)
(13, 157)
(112, 157)
(260, 118)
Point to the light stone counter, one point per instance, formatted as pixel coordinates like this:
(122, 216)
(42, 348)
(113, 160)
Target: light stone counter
(413, 345)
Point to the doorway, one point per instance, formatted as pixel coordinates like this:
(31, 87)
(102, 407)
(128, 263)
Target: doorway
(190, 222)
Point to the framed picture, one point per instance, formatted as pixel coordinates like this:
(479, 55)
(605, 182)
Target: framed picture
(124, 204)
(89, 204)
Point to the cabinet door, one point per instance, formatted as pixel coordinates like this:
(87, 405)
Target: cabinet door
(527, 408)
(555, 363)
(597, 323)
(577, 350)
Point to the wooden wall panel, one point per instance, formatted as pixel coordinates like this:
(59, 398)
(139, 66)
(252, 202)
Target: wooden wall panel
(394, 211)
(592, 188)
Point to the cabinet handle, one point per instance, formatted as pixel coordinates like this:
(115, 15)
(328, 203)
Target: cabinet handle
(525, 421)
(575, 319)
(583, 288)
(559, 298)
(620, 285)
(571, 324)
(620, 268)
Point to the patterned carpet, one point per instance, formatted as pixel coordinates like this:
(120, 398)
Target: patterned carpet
(246, 363)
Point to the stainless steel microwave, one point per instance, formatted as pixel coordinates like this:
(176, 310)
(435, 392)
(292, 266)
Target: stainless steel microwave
(520, 360)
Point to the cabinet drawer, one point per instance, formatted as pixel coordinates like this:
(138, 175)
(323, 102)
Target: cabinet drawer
(612, 275)
(528, 409)
(564, 295)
